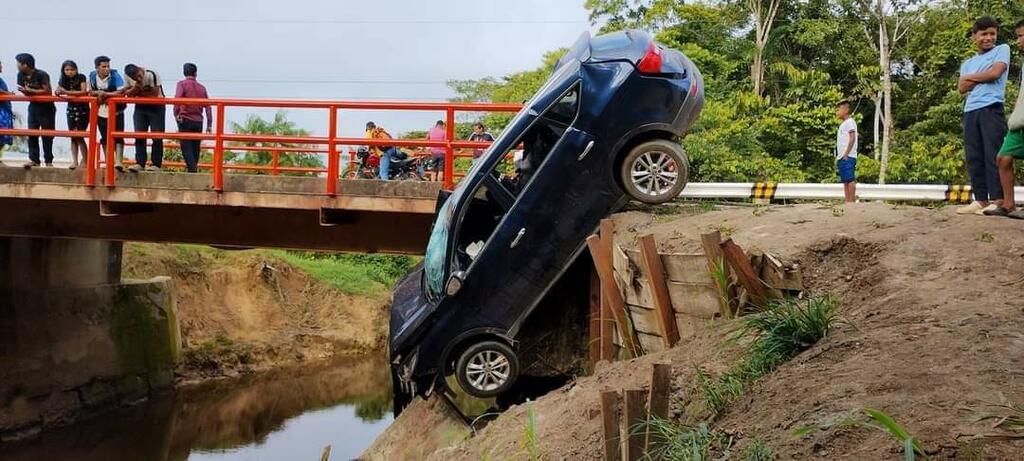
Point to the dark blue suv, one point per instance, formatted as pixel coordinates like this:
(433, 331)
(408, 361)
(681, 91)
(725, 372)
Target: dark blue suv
(604, 128)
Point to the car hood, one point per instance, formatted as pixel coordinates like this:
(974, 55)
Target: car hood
(409, 309)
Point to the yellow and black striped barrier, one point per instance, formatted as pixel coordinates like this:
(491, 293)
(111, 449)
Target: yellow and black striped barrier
(763, 191)
(958, 194)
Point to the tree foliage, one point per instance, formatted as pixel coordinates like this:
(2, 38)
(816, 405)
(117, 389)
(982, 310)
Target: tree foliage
(278, 126)
(818, 53)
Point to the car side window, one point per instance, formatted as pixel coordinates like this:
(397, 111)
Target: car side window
(540, 139)
(484, 212)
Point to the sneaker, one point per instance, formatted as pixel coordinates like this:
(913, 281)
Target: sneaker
(152, 168)
(998, 211)
(29, 165)
(135, 168)
(990, 208)
(1016, 214)
(973, 208)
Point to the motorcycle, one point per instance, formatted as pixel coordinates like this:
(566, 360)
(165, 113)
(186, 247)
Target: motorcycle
(404, 168)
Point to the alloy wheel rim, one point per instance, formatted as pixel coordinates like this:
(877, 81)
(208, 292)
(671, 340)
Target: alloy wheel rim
(654, 173)
(488, 370)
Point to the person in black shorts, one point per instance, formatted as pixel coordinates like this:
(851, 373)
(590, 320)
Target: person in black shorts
(73, 84)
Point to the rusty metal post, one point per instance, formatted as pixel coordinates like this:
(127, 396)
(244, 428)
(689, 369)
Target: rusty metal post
(218, 151)
(111, 129)
(449, 154)
(93, 152)
(332, 152)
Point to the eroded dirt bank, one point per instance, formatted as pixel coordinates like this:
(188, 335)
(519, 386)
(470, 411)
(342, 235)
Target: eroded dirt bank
(244, 311)
(933, 330)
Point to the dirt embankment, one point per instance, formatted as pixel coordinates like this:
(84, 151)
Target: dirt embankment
(243, 311)
(933, 331)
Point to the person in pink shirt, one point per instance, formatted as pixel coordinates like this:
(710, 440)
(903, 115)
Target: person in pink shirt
(438, 133)
(190, 117)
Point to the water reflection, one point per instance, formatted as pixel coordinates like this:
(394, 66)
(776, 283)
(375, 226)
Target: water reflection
(287, 414)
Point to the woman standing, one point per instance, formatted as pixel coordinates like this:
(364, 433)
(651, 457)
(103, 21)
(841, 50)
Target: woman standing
(73, 84)
(6, 116)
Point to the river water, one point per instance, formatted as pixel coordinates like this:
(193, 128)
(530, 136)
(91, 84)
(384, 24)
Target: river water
(282, 415)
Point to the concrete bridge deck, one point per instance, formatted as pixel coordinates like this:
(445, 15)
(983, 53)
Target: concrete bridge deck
(252, 211)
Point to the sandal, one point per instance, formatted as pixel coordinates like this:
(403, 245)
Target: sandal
(1018, 214)
(997, 211)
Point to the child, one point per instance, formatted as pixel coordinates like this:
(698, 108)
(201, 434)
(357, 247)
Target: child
(1013, 148)
(983, 80)
(73, 84)
(846, 151)
(6, 116)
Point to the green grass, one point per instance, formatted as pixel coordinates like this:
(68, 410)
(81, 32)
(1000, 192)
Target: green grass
(884, 422)
(354, 274)
(672, 442)
(530, 433)
(757, 450)
(776, 335)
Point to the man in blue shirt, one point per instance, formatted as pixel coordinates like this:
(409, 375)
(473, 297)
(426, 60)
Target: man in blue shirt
(983, 80)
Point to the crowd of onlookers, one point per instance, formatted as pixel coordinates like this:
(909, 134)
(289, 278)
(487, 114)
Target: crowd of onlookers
(105, 82)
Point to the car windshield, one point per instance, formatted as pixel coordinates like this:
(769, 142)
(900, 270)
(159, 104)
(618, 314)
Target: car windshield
(434, 260)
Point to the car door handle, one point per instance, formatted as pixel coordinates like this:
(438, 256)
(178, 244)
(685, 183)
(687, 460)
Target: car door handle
(519, 237)
(586, 150)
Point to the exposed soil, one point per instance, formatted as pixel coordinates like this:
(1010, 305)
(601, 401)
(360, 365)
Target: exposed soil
(933, 330)
(244, 311)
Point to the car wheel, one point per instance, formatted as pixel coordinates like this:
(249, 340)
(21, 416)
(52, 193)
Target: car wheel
(655, 172)
(487, 369)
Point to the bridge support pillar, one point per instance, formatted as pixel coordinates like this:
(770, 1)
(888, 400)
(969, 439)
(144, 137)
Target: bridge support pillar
(74, 338)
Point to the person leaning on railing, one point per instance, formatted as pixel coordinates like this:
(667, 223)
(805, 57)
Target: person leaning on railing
(72, 84)
(6, 116)
(105, 83)
(41, 115)
(144, 83)
(190, 116)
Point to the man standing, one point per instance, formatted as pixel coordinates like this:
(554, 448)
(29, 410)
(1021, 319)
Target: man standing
(438, 133)
(1013, 148)
(144, 83)
(41, 115)
(105, 83)
(846, 151)
(983, 80)
(480, 134)
(386, 153)
(190, 117)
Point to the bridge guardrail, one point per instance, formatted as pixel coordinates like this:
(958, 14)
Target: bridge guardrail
(804, 191)
(220, 137)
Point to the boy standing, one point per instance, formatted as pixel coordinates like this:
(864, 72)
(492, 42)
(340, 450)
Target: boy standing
(846, 151)
(144, 83)
(983, 80)
(1013, 147)
(104, 83)
(190, 117)
(41, 115)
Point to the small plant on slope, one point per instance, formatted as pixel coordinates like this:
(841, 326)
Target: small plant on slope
(884, 422)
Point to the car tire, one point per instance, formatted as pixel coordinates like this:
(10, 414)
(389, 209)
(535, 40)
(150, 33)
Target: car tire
(487, 369)
(655, 172)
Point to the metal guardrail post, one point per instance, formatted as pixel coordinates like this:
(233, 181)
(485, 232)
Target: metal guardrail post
(111, 142)
(218, 151)
(449, 154)
(332, 152)
(93, 152)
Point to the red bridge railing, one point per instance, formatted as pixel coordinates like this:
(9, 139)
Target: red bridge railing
(220, 137)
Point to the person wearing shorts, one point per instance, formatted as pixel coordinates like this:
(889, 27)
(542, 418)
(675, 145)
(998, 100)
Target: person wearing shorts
(846, 151)
(1013, 148)
(72, 84)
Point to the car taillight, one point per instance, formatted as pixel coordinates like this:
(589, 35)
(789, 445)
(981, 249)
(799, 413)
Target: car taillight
(651, 62)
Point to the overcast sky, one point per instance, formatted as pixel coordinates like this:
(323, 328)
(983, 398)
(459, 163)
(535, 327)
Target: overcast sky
(308, 49)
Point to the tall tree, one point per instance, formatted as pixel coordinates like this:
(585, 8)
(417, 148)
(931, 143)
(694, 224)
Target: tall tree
(279, 126)
(895, 19)
(763, 13)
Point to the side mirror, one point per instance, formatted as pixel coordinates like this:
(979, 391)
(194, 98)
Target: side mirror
(455, 283)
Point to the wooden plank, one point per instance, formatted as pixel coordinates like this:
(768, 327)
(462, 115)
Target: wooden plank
(693, 298)
(679, 267)
(603, 262)
(594, 343)
(713, 253)
(610, 403)
(650, 343)
(608, 322)
(661, 383)
(634, 417)
(656, 281)
(745, 274)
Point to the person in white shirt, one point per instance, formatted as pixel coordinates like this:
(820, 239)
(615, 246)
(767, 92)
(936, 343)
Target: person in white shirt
(104, 83)
(846, 151)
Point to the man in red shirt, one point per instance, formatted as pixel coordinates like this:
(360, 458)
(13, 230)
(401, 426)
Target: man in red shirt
(190, 117)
